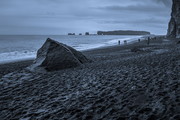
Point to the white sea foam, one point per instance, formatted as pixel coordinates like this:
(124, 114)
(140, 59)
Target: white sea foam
(16, 56)
(128, 39)
(82, 47)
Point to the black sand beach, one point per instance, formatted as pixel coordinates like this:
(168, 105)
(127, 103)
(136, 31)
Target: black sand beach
(119, 84)
(13, 66)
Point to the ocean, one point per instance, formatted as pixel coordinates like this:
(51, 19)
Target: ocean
(24, 47)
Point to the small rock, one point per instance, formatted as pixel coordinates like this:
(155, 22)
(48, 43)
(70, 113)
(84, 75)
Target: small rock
(135, 49)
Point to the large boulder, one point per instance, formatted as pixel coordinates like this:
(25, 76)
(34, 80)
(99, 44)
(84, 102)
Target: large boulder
(174, 24)
(55, 56)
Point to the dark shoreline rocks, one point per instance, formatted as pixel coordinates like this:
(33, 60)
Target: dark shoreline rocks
(56, 56)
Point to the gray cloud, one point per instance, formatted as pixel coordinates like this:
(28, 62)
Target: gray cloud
(138, 21)
(135, 8)
(63, 16)
(165, 2)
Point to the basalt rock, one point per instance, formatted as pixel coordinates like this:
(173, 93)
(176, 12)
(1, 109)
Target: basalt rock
(56, 56)
(174, 24)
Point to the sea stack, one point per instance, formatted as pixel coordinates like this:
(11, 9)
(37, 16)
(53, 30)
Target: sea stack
(174, 24)
(56, 56)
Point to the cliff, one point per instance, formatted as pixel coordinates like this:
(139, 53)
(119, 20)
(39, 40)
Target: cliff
(174, 24)
(122, 32)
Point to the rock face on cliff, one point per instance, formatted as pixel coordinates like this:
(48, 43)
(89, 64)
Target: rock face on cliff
(55, 56)
(174, 24)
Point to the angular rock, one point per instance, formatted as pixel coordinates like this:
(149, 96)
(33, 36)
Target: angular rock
(174, 24)
(55, 56)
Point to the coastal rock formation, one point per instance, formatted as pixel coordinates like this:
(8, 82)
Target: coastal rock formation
(87, 33)
(174, 24)
(55, 56)
(123, 32)
(71, 34)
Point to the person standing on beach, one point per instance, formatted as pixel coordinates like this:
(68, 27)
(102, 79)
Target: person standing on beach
(148, 41)
(119, 42)
(125, 42)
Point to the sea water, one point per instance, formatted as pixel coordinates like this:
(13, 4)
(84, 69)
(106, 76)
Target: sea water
(22, 47)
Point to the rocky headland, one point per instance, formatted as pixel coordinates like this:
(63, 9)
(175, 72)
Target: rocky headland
(123, 32)
(174, 24)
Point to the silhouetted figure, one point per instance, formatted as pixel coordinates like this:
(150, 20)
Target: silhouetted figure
(80, 33)
(125, 42)
(139, 40)
(119, 42)
(148, 41)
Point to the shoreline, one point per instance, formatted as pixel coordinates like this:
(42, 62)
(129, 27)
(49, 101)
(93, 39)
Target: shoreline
(102, 47)
(12, 66)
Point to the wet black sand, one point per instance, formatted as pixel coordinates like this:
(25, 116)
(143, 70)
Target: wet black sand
(13, 66)
(118, 84)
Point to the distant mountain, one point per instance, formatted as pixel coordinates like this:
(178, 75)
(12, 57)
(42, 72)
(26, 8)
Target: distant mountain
(123, 32)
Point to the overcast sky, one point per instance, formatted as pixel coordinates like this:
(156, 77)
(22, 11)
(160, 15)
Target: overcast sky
(63, 16)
